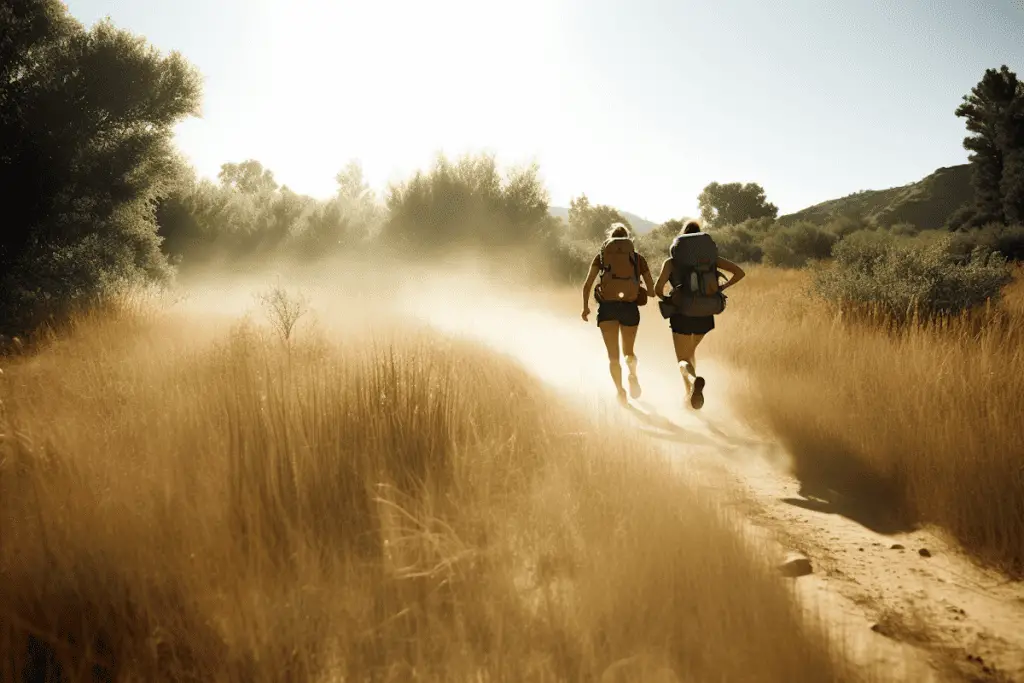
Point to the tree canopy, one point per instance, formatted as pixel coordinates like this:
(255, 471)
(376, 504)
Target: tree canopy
(86, 120)
(732, 203)
(467, 202)
(591, 221)
(994, 115)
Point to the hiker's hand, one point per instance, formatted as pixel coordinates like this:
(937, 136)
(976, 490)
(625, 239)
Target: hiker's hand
(586, 314)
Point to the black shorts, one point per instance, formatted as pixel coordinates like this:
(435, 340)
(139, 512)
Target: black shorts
(624, 312)
(684, 324)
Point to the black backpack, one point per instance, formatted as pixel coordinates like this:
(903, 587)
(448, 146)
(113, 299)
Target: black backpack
(694, 276)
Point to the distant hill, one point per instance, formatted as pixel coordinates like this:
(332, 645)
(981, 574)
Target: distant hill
(928, 203)
(640, 225)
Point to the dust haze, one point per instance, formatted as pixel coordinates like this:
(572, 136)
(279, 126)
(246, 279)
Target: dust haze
(248, 434)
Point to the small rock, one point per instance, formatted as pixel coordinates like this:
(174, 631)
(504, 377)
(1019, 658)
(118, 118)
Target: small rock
(795, 565)
(860, 549)
(896, 546)
(924, 552)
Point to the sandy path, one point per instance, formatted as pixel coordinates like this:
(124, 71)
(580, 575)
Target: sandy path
(917, 618)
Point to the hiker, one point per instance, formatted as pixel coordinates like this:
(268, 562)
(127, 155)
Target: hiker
(693, 271)
(619, 295)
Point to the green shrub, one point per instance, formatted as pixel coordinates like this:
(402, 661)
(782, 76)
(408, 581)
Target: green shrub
(739, 244)
(1008, 240)
(903, 280)
(794, 245)
(568, 259)
(842, 226)
(904, 230)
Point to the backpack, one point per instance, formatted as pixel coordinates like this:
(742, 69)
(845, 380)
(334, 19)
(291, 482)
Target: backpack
(620, 271)
(694, 276)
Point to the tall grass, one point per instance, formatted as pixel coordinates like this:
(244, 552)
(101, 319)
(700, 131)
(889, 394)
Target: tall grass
(906, 424)
(393, 506)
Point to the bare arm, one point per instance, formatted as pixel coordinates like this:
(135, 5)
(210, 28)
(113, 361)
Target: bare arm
(666, 271)
(587, 286)
(646, 275)
(731, 268)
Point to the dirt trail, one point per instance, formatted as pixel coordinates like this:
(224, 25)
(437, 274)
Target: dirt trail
(918, 618)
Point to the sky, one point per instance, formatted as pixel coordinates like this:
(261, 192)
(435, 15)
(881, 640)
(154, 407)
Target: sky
(636, 103)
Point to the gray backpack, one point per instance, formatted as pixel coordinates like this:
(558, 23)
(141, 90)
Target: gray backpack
(694, 276)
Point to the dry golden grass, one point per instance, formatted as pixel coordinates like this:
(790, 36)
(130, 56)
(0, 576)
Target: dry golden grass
(918, 425)
(189, 503)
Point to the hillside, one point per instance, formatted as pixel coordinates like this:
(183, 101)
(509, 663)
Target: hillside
(928, 203)
(640, 225)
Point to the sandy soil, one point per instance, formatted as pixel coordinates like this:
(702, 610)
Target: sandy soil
(906, 601)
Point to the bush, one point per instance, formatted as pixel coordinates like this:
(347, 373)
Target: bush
(739, 244)
(794, 245)
(842, 226)
(902, 281)
(51, 281)
(1008, 240)
(569, 259)
(904, 230)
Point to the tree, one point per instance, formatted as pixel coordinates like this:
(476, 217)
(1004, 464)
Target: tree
(1012, 141)
(669, 228)
(249, 177)
(467, 202)
(351, 183)
(732, 203)
(86, 124)
(591, 222)
(992, 111)
(357, 204)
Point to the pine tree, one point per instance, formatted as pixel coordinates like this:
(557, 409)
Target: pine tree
(987, 110)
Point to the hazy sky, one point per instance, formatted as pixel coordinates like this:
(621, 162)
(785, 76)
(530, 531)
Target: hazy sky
(638, 103)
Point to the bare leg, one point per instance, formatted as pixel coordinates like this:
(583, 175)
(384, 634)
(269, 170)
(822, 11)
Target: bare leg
(628, 340)
(686, 347)
(610, 333)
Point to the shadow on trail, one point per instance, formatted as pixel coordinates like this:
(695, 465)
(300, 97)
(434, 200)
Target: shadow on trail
(668, 430)
(833, 480)
(664, 428)
(734, 440)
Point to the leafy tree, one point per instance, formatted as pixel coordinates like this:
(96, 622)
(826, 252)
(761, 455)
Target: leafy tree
(357, 202)
(655, 243)
(590, 222)
(86, 121)
(669, 228)
(732, 203)
(466, 202)
(249, 177)
(351, 183)
(994, 112)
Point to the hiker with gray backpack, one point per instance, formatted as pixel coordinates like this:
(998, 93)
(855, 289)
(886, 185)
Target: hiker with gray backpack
(693, 269)
(619, 295)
